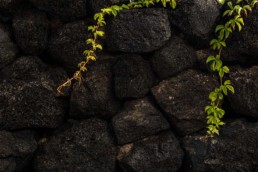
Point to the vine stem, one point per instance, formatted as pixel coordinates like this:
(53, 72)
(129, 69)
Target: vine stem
(79, 72)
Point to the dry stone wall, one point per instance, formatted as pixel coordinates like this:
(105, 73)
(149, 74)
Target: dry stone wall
(141, 105)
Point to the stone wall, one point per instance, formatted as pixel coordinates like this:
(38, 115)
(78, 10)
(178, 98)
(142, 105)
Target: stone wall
(141, 105)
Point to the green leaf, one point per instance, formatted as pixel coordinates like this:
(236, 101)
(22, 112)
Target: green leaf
(92, 58)
(100, 33)
(239, 1)
(99, 46)
(227, 82)
(221, 1)
(224, 89)
(230, 88)
(89, 41)
(210, 58)
(225, 69)
(221, 73)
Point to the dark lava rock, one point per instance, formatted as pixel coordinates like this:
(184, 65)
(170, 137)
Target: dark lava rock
(31, 31)
(157, 153)
(183, 98)
(27, 98)
(16, 150)
(133, 77)
(8, 50)
(94, 96)
(96, 5)
(244, 45)
(9, 6)
(138, 119)
(236, 149)
(65, 9)
(86, 146)
(245, 99)
(68, 44)
(173, 58)
(196, 19)
(138, 31)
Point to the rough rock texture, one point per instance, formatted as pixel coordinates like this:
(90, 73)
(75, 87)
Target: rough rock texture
(16, 150)
(31, 31)
(245, 99)
(94, 97)
(173, 58)
(86, 146)
(236, 149)
(68, 43)
(27, 98)
(245, 43)
(95, 6)
(133, 77)
(8, 50)
(65, 9)
(138, 31)
(9, 6)
(138, 119)
(157, 153)
(196, 19)
(183, 99)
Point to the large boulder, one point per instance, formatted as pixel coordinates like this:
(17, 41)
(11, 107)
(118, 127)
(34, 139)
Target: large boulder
(94, 96)
(236, 149)
(65, 9)
(245, 99)
(157, 153)
(66, 46)
(31, 31)
(183, 99)
(16, 150)
(85, 146)
(173, 58)
(138, 31)
(138, 119)
(196, 19)
(27, 95)
(133, 77)
(8, 50)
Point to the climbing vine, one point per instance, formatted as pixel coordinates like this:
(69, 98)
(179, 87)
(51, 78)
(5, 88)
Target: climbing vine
(90, 54)
(235, 14)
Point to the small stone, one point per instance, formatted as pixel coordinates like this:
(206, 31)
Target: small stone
(138, 119)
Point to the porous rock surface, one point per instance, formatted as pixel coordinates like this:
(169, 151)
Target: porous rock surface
(66, 46)
(16, 149)
(27, 97)
(138, 119)
(156, 153)
(94, 96)
(234, 150)
(140, 106)
(64, 9)
(183, 99)
(84, 146)
(196, 20)
(133, 77)
(173, 58)
(8, 50)
(245, 99)
(138, 31)
(31, 31)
